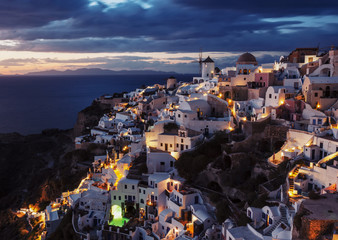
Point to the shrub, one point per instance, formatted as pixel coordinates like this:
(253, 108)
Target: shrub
(313, 195)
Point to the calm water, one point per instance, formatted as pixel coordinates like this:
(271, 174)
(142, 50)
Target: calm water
(29, 104)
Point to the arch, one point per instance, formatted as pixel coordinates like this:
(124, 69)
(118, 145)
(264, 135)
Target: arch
(227, 94)
(325, 72)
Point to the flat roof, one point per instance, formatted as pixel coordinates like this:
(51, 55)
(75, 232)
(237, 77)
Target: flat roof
(244, 233)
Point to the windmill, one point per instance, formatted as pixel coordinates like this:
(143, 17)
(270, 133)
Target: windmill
(199, 60)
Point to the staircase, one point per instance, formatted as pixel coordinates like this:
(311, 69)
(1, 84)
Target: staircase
(283, 219)
(283, 212)
(292, 178)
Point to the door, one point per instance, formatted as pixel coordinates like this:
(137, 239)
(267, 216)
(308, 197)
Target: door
(166, 147)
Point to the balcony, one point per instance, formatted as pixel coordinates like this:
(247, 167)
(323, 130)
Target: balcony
(172, 199)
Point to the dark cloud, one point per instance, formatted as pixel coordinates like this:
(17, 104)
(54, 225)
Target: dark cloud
(266, 7)
(171, 25)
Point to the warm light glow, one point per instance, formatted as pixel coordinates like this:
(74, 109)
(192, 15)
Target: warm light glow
(318, 106)
(281, 102)
(244, 119)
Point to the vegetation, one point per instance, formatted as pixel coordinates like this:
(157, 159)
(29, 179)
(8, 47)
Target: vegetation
(65, 229)
(313, 195)
(170, 127)
(190, 164)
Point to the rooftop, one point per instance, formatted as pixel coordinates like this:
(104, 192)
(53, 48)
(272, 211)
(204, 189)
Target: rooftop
(243, 233)
(324, 208)
(247, 58)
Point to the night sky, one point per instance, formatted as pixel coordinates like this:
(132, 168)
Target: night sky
(161, 35)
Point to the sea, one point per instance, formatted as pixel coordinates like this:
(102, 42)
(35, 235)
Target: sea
(30, 104)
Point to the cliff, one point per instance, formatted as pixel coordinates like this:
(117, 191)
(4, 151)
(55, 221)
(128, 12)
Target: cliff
(89, 117)
(36, 169)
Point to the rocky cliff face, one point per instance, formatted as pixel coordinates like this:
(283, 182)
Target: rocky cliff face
(316, 218)
(35, 169)
(89, 117)
(231, 173)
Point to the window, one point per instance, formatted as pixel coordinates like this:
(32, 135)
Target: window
(316, 94)
(132, 187)
(114, 197)
(134, 198)
(261, 78)
(125, 186)
(161, 144)
(314, 121)
(142, 201)
(156, 185)
(155, 198)
(321, 145)
(270, 95)
(179, 115)
(171, 163)
(275, 97)
(182, 140)
(125, 197)
(177, 145)
(120, 198)
(319, 121)
(171, 145)
(139, 190)
(244, 78)
(186, 146)
(185, 116)
(144, 191)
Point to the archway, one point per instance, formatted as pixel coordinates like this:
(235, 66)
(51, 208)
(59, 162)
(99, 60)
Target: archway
(325, 72)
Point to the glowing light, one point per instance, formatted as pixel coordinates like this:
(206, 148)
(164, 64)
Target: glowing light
(318, 106)
(281, 102)
(244, 119)
(118, 219)
(231, 129)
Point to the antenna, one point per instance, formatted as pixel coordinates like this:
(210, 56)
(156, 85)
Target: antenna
(200, 60)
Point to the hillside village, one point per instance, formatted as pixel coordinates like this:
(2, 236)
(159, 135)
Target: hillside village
(250, 153)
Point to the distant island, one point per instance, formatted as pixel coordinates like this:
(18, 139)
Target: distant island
(97, 71)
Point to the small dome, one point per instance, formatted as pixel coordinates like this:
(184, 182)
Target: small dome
(247, 58)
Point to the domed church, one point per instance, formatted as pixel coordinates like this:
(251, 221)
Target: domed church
(246, 63)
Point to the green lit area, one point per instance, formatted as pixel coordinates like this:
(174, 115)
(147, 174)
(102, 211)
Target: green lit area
(118, 220)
